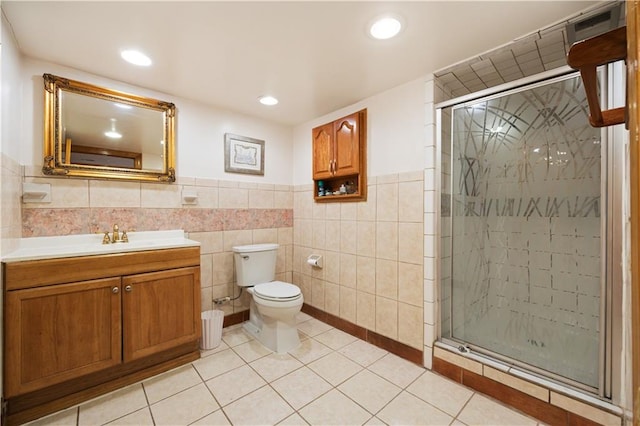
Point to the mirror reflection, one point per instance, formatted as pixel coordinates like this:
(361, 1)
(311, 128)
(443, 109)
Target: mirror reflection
(97, 132)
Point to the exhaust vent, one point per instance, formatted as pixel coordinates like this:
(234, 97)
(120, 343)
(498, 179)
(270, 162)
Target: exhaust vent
(594, 25)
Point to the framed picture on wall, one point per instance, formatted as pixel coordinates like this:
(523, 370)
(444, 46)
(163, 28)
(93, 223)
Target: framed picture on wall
(243, 155)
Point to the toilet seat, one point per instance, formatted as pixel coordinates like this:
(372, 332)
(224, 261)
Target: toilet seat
(276, 291)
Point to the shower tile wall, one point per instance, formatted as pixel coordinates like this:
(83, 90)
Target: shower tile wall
(227, 213)
(373, 256)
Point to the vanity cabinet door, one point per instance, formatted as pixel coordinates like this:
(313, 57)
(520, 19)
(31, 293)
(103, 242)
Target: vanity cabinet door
(61, 332)
(161, 310)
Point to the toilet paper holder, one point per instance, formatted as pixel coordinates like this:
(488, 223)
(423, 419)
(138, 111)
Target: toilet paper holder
(315, 260)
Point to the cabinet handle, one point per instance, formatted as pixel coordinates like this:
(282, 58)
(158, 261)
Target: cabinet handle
(115, 290)
(127, 288)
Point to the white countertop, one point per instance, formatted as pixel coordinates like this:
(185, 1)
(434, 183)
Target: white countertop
(37, 248)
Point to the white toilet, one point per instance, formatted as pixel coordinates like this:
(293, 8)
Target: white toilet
(274, 304)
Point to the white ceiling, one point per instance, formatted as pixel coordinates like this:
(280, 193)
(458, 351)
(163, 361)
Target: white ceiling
(315, 57)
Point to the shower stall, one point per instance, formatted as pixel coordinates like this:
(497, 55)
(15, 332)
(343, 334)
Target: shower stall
(527, 233)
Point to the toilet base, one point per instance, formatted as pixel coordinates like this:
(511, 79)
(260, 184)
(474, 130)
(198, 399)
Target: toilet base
(277, 336)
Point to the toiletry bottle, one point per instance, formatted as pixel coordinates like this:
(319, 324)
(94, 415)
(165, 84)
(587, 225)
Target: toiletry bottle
(343, 189)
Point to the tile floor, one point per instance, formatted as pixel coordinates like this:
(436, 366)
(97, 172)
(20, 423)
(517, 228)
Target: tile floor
(333, 378)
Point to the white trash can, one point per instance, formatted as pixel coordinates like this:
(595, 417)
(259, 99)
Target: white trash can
(211, 328)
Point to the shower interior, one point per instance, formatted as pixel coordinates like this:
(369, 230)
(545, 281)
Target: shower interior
(523, 226)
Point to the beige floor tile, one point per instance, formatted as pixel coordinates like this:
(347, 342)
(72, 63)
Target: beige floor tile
(374, 421)
(217, 364)
(310, 350)
(217, 418)
(483, 411)
(275, 366)
(313, 327)
(363, 353)
(262, 407)
(170, 383)
(406, 409)
(440, 392)
(302, 336)
(184, 407)
(335, 368)
(235, 335)
(333, 408)
(335, 338)
(137, 418)
(293, 420)
(397, 370)
(302, 317)
(301, 387)
(269, 389)
(235, 384)
(251, 350)
(68, 417)
(369, 390)
(112, 406)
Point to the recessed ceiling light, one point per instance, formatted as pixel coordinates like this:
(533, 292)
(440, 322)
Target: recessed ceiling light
(268, 100)
(136, 58)
(385, 28)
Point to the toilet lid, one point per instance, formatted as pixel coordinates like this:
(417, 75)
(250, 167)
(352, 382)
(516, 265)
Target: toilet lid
(276, 290)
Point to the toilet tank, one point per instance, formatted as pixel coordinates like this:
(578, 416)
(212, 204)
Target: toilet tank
(255, 264)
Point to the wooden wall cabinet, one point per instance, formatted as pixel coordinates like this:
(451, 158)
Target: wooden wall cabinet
(78, 327)
(339, 157)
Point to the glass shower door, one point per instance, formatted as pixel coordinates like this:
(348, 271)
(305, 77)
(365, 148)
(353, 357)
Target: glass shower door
(522, 220)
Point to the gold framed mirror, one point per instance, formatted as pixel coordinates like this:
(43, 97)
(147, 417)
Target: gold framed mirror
(94, 132)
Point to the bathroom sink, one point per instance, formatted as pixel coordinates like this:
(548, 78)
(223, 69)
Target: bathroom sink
(91, 244)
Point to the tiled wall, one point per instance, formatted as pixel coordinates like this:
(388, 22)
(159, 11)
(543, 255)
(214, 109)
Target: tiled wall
(11, 221)
(227, 213)
(431, 233)
(373, 256)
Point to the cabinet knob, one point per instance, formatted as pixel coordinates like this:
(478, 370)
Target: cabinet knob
(115, 290)
(127, 288)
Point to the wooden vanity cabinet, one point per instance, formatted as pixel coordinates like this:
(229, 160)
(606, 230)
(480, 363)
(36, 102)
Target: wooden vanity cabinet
(339, 157)
(79, 327)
